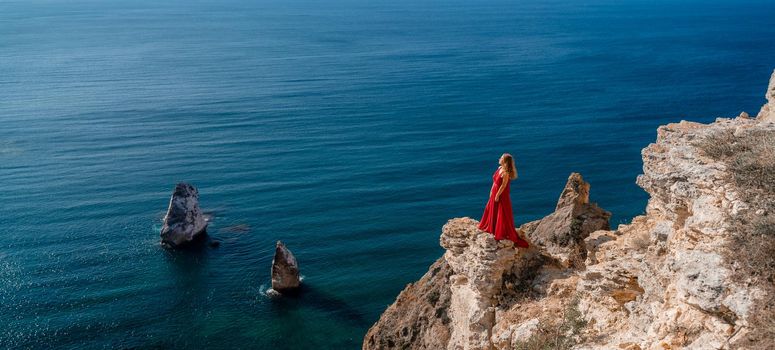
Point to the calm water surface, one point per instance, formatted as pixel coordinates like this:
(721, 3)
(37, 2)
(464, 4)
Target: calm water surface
(351, 130)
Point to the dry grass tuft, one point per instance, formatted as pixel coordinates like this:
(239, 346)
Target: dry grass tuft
(557, 335)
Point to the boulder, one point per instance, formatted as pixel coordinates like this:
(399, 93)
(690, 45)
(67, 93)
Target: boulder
(562, 233)
(184, 221)
(285, 270)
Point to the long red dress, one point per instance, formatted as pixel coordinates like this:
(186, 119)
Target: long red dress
(498, 218)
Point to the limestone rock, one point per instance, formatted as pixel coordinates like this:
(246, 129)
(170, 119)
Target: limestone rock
(575, 194)
(524, 331)
(562, 233)
(285, 270)
(767, 113)
(184, 221)
(478, 263)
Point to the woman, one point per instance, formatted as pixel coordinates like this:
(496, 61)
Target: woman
(498, 218)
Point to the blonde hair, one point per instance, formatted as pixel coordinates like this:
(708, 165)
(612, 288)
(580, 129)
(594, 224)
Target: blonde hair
(510, 168)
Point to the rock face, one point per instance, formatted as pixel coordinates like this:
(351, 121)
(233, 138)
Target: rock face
(467, 283)
(285, 270)
(184, 221)
(767, 113)
(478, 263)
(419, 318)
(562, 233)
(673, 278)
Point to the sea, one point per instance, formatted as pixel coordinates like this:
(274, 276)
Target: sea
(350, 130)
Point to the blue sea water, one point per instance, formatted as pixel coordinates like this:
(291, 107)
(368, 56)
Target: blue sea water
(351, 130)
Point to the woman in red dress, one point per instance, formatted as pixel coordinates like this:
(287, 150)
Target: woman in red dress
(498, 218)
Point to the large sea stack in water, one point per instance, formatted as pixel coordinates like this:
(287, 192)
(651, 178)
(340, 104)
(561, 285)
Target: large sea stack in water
(184, 222)
(285, 270)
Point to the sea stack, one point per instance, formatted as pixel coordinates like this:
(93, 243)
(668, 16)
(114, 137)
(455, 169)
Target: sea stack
(184, 221)
(285, 270)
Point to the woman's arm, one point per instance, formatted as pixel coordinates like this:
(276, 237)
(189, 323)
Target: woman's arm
(505, 177)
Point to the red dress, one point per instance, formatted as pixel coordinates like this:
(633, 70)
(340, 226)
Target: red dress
(498, 218)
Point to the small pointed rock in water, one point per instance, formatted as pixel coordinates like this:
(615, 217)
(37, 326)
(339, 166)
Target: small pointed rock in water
(285, 270)
(184, 221)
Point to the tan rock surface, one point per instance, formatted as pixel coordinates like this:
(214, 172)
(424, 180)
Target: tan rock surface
(767, 113)
(562, 233)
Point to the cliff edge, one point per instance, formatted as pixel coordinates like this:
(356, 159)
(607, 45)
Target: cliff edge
(695, 272)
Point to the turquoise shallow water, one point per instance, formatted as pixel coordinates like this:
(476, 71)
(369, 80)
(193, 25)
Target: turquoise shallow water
(350, 130)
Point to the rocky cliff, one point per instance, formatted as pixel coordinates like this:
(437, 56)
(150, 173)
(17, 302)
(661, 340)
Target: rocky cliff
(767, 113)
(694, 272)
